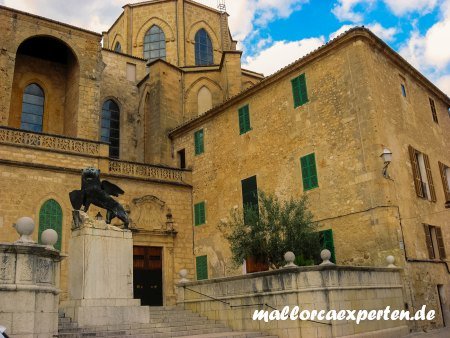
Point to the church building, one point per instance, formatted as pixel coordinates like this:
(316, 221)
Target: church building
(161, 105)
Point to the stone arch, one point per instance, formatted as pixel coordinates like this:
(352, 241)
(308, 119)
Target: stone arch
(118, 38)
(195, 27)
(53, 64)
(168, 31)
(191, 96)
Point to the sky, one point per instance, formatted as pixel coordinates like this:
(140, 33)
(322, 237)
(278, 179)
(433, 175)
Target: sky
(274, 33)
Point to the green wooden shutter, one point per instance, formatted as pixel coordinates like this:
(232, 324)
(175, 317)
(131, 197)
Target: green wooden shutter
(244, 119)
(199, 213)
(199, 142)
(50, 217)
(249, 194)
(202, 267)
(299, 90)
(327, 242)
(309, 172)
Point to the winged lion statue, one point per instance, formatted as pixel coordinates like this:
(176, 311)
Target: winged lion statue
(96, 192)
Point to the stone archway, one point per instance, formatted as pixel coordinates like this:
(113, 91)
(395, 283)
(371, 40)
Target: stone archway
(52, 64)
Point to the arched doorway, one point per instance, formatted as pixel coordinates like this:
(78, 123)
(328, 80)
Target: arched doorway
(50, 64)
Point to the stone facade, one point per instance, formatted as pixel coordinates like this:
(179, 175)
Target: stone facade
(355, 110)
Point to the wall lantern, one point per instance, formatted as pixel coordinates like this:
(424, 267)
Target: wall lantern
(386, 155)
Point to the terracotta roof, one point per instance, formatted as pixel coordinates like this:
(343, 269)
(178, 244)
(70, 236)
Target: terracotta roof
(355, 31)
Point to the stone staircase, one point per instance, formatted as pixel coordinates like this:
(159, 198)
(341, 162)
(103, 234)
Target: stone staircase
(164, 322)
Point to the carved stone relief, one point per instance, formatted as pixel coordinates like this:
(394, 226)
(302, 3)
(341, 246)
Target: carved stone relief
(7, 266)
(44, 272)
(148, 213)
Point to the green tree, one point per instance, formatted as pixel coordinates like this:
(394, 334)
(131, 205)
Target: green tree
(268, 231)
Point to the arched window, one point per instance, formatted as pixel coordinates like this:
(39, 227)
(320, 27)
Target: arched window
(203, 49)
(118, 47)
(50, 217)
(154, 44)
(32, 108)
(110, 127)
(204, 99)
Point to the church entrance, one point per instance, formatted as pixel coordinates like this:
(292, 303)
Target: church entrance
(147, 271)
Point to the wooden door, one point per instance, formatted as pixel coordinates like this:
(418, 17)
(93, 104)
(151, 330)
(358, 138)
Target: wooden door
(147, 263)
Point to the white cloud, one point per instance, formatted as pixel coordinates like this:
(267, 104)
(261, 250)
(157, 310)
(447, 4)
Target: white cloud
(280, 54)
(345, 10)
(444, 84)
(430, 52)
(246, 14)
(387, 34)
(401, 7)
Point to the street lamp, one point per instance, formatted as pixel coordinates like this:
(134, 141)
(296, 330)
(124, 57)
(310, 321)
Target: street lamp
(386, 155)
(99, 216)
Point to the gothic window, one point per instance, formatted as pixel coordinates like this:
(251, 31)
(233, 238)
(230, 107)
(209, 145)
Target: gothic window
(154, 44)
(203, 49)
(110, 127)
(204, 100)
(50, 217)
(118, 47)
(32, 108)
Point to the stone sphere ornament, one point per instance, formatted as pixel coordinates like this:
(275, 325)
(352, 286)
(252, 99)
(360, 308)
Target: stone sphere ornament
(49, 238)
(390, 260)
(289, 257)
(183, 274)
(24, 227)
(326, 255)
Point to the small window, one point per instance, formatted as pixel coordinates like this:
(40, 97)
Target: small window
(110, 127)
(433, 110)
(299, 90)
(309, 172)
(244, 119)
(154, 44)
(403, 90)
(201, 263)
(199, 214)
(199, 142)
(131, 72)
(182, 159)
(203, 49)
(445, 175)
(435, 242)
(249, 195)
(423, 180)
(327, 242)
(118, 47)
(32, 108)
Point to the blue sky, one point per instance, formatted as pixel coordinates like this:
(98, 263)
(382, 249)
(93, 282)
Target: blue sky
(273, 33)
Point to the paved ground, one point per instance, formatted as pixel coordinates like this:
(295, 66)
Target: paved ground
(442, 333)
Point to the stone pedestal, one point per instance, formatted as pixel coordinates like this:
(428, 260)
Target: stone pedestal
(29, 293)
(101, 276)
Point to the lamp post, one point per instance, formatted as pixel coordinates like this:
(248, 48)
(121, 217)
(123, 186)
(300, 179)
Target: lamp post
(99, 216)
(386, 155)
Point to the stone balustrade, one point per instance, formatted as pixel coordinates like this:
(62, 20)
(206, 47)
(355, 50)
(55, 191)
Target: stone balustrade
(51, 142)
(146, 171)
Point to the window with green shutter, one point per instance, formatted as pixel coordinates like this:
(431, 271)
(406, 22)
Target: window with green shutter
(50, 217)
(326, 241)
(199, 213)
(299, 90)
(199, 142)
(309, 172)
(244, 119)
(202, 267)
(249, 194)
